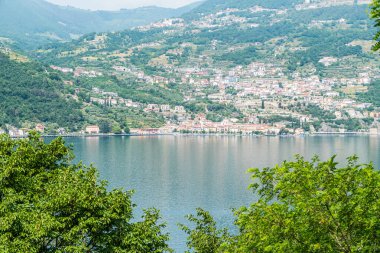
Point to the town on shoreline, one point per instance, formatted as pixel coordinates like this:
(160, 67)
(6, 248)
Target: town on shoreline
(197, 126)
(247, 88)
(158, 132)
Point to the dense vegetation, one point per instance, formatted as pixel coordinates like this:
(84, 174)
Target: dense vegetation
(303, 206)
(48, 204)
(242, 57)
(29, 94)
(373, 94)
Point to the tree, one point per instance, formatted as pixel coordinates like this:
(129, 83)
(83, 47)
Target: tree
(206, 237)
(116, 129)
(49, 204)
(375, 15)
(309, 207)
(105, 126)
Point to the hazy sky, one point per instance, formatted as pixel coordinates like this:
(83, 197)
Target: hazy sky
(118, 4)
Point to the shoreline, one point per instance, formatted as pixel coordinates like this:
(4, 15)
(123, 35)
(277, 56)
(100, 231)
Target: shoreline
(206, 134)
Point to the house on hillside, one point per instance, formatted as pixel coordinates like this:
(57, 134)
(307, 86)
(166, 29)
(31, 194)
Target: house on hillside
(16, 133)
(61, 131)
(92, 129)
(40, 128)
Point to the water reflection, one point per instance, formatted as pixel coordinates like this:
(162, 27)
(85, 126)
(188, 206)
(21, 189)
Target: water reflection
(178, 174)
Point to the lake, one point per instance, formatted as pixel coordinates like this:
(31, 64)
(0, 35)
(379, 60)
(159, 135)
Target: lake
(177, 174)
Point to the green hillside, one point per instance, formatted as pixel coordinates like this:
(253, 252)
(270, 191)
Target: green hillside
(327, 38)
(29, 95)
(31, 23)
(213, 6)
(272, 64)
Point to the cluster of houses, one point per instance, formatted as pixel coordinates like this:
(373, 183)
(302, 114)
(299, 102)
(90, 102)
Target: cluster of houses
(262, 88)
(260, 82)
(142, 77)
(15, 132)
(258, 85)
(165, 109)
(314, 4)
(220, 19)
(113, 99)
(200, 125)
(77, 72)
(169, 22)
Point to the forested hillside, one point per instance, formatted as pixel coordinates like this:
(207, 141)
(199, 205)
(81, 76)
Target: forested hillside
(29, 95)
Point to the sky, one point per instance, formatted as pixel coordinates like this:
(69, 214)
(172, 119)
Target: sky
(119, 4)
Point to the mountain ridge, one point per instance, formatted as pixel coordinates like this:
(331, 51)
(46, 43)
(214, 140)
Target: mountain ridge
(32, 23)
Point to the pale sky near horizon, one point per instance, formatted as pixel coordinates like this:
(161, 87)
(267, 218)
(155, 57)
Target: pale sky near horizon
(119, 4)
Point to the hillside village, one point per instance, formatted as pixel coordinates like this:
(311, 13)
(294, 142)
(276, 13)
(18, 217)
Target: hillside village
(260, 90)
(219, 94)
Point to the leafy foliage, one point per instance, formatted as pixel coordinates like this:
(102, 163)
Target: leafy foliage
(50, 205)
(373, 94)
(375, 15)
(205, 237)
(306, 207)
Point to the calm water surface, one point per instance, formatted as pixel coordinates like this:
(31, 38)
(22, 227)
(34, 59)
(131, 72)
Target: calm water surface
(177, 174)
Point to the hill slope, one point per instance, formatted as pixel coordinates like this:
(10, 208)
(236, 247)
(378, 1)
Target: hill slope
(31, 23)
(29, 95)
(213, 6)
(292, 68)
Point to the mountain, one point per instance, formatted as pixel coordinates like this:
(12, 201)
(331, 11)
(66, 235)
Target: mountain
(32, 93)
(229, 28)
(284, 64)
(31, 23)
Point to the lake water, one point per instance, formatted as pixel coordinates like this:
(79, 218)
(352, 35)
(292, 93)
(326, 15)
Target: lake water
(177, 174)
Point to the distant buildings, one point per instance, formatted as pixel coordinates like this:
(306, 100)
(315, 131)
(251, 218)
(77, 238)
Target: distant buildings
(258, 90)
(40, 128)
(328, 61)
(374, 131)
(63, 70)
(93, 129)
(16, 133)
(179, 109)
